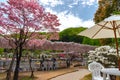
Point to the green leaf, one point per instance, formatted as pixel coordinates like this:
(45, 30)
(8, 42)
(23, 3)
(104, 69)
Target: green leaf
(116, 13)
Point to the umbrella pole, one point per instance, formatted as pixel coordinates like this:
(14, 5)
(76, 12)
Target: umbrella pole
(117, 53)
(116, 41)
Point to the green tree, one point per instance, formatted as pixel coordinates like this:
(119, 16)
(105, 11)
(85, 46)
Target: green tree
(71, 35)
(105, 9)
(115, 5)
(90, 41)
(1, 50)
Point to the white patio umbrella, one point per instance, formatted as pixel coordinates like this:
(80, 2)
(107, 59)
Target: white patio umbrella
(108, 28)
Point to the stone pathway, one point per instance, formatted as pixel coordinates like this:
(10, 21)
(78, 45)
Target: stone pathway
(73, 76)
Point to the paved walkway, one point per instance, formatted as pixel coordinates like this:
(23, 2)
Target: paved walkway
(73, 76)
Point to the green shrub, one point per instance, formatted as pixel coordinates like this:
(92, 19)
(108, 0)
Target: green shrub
(87, 77)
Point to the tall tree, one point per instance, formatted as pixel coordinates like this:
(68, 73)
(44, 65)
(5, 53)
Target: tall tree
(89, 41)
(71, 35)
(105, 9)
(116, 5)
(22, 18)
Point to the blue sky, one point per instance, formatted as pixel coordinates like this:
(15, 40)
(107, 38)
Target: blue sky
(71, 13)
(3, 0)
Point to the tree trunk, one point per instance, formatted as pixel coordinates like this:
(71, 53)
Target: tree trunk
(18, 59)
(32, 71)
(8, 77)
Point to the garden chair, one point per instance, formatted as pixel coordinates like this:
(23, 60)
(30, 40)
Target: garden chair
(95, 69)
(50, 65)
(45, 67)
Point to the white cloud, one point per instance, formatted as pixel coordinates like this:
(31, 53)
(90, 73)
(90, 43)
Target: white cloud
(75, 2)
(69, 20)
(50, 10)
(89, 2)
(54, 3)
(51, 3)
(72, 21)
(88, 23)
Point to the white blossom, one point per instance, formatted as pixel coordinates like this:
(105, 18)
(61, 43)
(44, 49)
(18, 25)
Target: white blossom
(102, 54)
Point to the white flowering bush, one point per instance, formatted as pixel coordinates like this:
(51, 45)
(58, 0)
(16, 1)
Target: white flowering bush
(105, 55)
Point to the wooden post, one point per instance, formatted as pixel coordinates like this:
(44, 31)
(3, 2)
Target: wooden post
(117, 77)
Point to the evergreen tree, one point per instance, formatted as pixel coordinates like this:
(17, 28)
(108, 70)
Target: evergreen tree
(71, 35)
(106, 9)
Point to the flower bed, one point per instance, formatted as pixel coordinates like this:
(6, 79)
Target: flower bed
(105, 55)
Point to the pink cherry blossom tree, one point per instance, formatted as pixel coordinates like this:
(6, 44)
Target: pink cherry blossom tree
(19, 19)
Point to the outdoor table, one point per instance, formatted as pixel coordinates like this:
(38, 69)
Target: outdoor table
(110, 71)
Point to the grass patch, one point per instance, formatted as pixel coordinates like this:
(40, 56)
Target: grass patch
(2, 76)
(87, 77)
